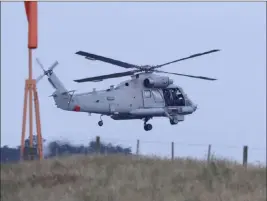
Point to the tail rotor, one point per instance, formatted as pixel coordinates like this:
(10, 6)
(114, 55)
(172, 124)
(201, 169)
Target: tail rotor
(45, 72)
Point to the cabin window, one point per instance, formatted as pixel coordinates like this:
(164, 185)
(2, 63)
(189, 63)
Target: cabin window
(147, 93)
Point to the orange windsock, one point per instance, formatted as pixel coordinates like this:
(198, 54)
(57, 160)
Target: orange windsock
(31, 12)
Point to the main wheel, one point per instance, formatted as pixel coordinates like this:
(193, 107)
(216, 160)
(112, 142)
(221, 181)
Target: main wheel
(147, 127)
(100, 123)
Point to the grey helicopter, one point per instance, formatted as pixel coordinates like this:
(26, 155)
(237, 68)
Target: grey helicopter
(144, 96)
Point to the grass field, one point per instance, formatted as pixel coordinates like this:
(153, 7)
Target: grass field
(124, 178)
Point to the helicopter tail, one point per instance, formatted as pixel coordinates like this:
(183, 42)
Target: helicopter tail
(52, 78)
(62, 97)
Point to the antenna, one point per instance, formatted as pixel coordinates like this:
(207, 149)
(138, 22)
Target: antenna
(30, 91)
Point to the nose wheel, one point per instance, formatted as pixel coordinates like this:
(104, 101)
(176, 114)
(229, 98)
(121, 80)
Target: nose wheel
(174, 121)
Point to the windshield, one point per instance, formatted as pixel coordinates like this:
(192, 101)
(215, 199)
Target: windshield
(173, 97)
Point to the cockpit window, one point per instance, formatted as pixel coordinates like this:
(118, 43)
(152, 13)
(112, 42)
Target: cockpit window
(173, 97)
(179, 90)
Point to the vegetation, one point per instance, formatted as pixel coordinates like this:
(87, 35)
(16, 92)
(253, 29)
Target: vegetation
(120, 177)
(58, 148)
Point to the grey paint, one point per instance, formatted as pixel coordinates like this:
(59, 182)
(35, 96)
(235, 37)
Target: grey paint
(129, 100)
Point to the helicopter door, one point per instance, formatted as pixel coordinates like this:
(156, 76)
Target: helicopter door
(149, 100)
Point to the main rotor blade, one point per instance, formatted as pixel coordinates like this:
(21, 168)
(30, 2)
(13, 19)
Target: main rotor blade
(185, 75)
(103, 77)
(185, 58)
(106, 59)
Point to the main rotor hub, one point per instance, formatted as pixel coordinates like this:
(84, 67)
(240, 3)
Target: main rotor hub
(145, 66)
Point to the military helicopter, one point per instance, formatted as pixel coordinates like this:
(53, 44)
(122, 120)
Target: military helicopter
(144, 96)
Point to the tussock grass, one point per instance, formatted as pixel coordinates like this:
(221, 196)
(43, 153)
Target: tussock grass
(125, 178)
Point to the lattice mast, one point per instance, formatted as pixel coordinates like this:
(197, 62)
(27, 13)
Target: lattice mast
(30, 85)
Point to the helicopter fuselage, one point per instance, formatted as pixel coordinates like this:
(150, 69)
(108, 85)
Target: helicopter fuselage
(145, 96)
(131, 99)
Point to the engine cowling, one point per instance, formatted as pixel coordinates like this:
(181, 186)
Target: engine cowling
(157, 82)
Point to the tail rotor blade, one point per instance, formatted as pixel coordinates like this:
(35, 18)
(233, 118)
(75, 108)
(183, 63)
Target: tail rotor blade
(42, 67)
(44, 71)
(39, 78)
(54, 65)
(40, 64)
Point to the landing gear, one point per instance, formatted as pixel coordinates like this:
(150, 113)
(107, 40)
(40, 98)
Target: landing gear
(100, 123)
(174, 121)
(147, 127)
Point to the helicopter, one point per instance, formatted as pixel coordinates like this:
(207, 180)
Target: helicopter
(145, 96)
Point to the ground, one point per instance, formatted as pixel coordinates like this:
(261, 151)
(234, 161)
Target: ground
(121, 178)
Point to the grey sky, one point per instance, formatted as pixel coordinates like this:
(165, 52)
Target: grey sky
(232, 110)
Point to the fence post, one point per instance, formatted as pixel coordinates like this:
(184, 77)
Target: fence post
(56, 151)
(209, 150)
(245, 155)
(137, 148)
(97, 144)
(106, 151)
(172, 151)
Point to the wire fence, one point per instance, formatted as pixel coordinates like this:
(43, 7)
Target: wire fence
(170, 150)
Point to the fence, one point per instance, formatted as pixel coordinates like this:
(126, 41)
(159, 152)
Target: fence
(241, 153)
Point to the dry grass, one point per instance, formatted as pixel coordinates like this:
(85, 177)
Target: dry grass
(121, 178)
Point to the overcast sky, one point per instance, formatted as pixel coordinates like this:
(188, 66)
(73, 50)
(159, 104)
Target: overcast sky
(232, 110)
